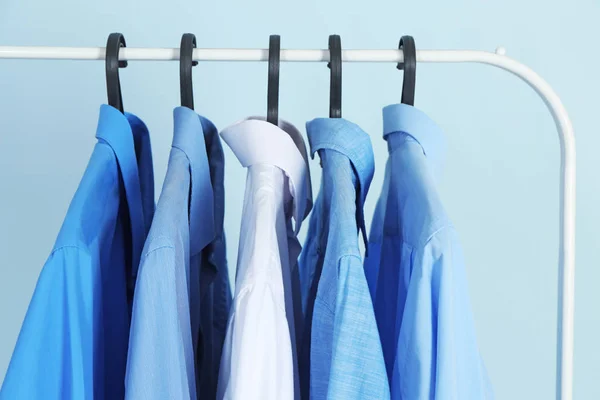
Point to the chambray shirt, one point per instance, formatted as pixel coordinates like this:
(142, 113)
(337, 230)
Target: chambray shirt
(416, 272)
(182, 293)
(341, 356)
(73, 342)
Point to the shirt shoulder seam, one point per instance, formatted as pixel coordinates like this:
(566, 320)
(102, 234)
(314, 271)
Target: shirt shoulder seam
(357, 256)
(436, 233)
(165, 246)
(340, 258)
(68, 246)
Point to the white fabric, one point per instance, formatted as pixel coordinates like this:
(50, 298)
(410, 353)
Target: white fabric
(259, 356)
(255, 141)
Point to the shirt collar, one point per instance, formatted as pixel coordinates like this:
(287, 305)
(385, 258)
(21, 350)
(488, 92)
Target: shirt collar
(414, 122)
(188, 136)
(255, 141)
(117, 130)
(349, 139)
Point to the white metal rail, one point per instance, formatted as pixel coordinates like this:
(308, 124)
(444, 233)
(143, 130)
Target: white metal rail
(566, 258)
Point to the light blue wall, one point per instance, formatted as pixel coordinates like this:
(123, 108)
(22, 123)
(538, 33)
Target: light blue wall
(501, 179)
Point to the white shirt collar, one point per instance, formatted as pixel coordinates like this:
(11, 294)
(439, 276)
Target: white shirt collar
(255, 141)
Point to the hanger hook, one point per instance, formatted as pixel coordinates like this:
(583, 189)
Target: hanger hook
(335, 87)
(186, 62)
(113, 83)
(273, 82)
(409, 65)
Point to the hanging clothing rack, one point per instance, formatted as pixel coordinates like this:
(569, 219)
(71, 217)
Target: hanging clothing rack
(566, 271)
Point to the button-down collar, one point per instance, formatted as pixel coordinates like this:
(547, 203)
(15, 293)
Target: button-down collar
(414, 122)
(248, 139)
(349, 139)
(189, 131)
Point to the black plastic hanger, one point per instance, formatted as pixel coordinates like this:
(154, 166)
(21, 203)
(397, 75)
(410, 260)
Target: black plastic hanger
(113, 84)
(273, 82)
(186, 62)
(335, 87)
(409, 65)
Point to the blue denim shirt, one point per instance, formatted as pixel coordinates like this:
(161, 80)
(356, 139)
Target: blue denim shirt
(182, 299)
(73, 342)
(341, 355)
(416, 272)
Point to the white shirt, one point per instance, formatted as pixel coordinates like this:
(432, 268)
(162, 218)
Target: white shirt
(259, 356)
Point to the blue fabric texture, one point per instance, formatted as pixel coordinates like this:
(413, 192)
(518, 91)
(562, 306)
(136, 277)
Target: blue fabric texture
(182, 295)
(341, 354)
(416, 272)
(73, 342)
(216, 300)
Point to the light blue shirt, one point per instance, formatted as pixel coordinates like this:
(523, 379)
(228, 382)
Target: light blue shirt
(73, 342)
(173, 348)
(416, 272)
(341, 346)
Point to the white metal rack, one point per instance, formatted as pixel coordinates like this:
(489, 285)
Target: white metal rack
(566, 258)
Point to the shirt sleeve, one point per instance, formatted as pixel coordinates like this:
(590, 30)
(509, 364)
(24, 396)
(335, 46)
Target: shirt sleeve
(437, 355)
(54, 354)
(357, 365)
(160, 361)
